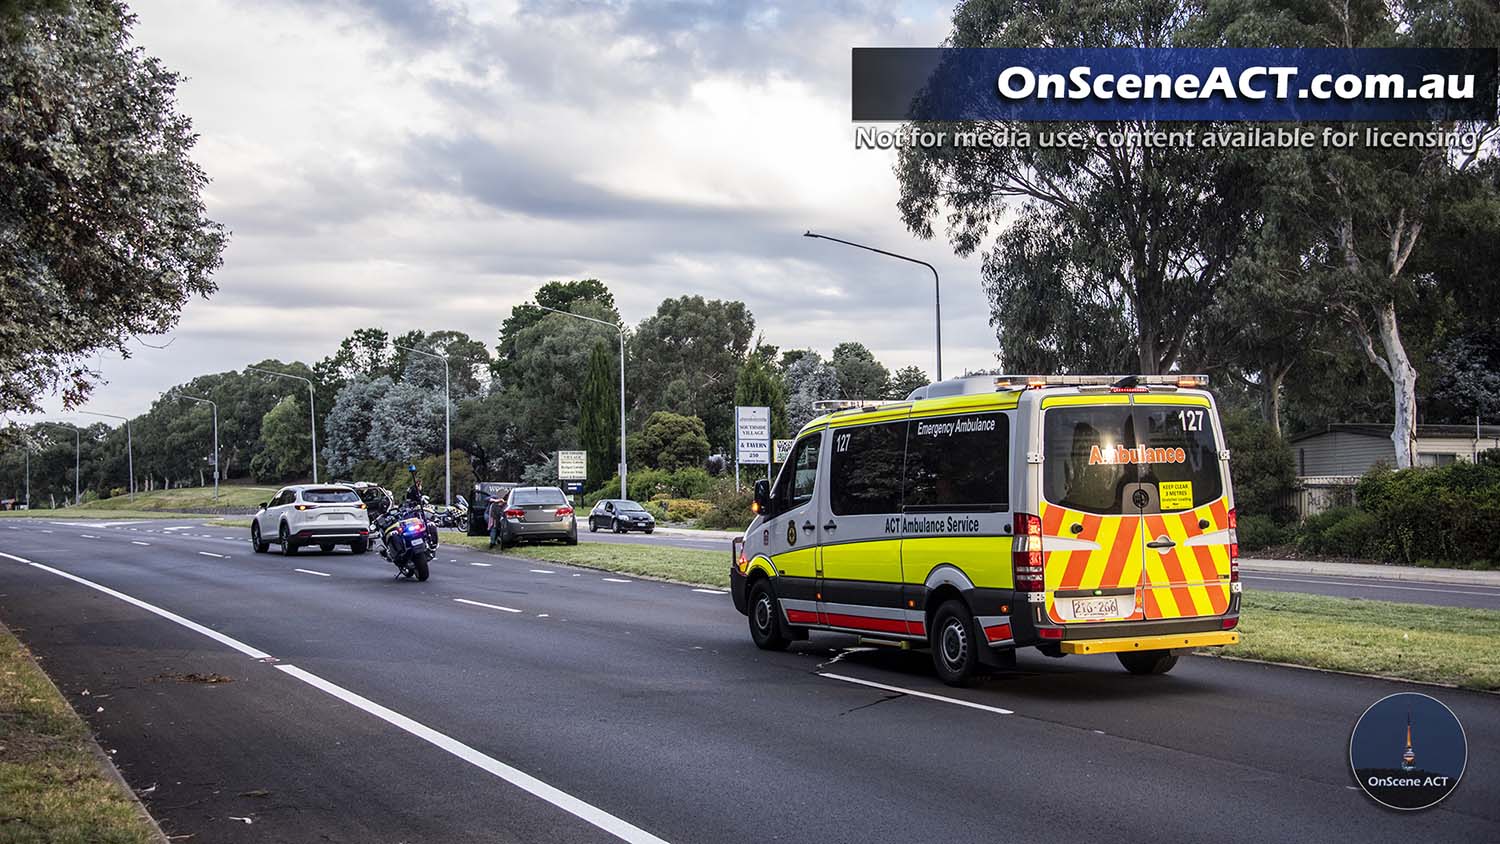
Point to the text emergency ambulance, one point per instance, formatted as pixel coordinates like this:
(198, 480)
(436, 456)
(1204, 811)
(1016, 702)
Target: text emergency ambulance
(1076, 514)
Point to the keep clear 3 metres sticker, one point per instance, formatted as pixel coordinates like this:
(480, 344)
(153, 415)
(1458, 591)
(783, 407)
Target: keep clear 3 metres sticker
(1408, 751)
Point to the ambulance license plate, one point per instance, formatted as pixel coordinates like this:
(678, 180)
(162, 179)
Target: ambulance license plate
(1096, 608)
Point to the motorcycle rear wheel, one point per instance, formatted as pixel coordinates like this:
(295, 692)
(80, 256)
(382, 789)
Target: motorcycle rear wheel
(422, 571)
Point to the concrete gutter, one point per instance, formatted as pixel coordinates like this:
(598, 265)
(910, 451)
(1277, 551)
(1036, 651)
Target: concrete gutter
(1371, 571)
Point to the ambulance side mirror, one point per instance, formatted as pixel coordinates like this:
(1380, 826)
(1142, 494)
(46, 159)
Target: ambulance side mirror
(762, 505)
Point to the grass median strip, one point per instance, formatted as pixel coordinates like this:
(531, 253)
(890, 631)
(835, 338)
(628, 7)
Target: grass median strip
(52, 786)
(1434, 644)
(684, 565)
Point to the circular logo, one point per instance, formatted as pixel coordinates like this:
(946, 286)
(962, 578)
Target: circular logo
(1140, 499)
(791, 533)
(1408, 751)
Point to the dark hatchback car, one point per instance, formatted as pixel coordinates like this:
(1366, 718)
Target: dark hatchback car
(538, 512)
(620, 516)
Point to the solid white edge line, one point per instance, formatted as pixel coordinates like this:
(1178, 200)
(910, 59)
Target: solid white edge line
(616, 580)
(310, 571)
(915, 693)
(211, 633)
(482, 604)
(621, 829)
(588, 812)
(711, 591)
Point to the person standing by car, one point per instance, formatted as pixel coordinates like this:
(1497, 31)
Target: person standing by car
(495, 514)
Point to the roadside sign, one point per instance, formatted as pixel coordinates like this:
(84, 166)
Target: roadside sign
(782, 450)
(752, 427)
(572, 465)
(573, 488)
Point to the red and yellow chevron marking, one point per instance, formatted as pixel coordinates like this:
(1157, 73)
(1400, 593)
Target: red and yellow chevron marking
(1183, 582)
(1187, 581)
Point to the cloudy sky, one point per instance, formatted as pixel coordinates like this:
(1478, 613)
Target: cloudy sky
(428, 164)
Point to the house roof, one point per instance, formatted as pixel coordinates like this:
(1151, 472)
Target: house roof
(1381, 431)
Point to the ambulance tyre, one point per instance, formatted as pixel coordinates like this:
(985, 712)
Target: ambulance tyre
(765, 621)
(1147, 662)
(953, 646)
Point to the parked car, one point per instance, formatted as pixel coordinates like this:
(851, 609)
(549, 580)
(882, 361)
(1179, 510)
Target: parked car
(620, 516)
(538, 512)
(324, 515)
(483, 494)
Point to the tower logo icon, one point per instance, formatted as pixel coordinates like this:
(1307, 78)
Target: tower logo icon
(1383, 751)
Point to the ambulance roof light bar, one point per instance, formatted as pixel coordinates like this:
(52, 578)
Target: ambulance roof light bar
(1123, 382)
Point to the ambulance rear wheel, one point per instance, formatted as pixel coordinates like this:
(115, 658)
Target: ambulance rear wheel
(1147, 662)
(954, 653)
(765, 619)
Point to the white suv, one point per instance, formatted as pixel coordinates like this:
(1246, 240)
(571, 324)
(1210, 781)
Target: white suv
(324, 515)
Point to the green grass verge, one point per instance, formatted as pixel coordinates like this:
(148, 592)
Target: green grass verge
(52, 788)
(183, 499)
(685, 565)
(66, 513)
(1412, 641)
(1434, 644)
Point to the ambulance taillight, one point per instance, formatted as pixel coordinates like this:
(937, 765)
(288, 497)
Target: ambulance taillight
(1234, 548)
(1026, 556)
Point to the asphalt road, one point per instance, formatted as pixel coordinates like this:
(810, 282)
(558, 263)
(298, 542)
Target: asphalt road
(263, 698)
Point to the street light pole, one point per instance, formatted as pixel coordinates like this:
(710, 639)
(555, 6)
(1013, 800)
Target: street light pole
(77, 452)
(129, 448)
(215, 407)
(312, 413)
(447, 424)
(937, 296)
(624, 487)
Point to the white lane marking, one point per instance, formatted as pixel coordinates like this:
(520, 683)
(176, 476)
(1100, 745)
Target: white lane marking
(482, 604)
(88, 536)
(621, 829)
(226, 537)
(212, 554)
(953, 700)
(616, 580)
(542, 571)
(1349, 585)
(179, 527)
(254, 653)
(138, 542)
(710, 591)
(310, 571)
(485, 565)
(45, 530)
(584, 811)
(543, 615)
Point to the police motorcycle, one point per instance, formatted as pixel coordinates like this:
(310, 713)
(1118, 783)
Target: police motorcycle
(408, 538)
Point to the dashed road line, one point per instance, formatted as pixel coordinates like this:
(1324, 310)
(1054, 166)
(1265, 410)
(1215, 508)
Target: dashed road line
(914, 693)
(212, 554)
(138, 542)
(542, 571)
(710, 592)
(310, 571)
(484, 565)
(616, 580)
(483, 604)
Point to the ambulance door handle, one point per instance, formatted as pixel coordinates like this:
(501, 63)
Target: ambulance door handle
(809, 527)
(1163, 542)
(830, 525)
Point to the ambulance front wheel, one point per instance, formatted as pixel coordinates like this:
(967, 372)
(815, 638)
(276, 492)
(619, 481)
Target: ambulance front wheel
(1147, 662)
(954, 652)
(765, 624)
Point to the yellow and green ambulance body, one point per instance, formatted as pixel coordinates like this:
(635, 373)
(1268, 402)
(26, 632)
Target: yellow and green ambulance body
(1077, 514)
